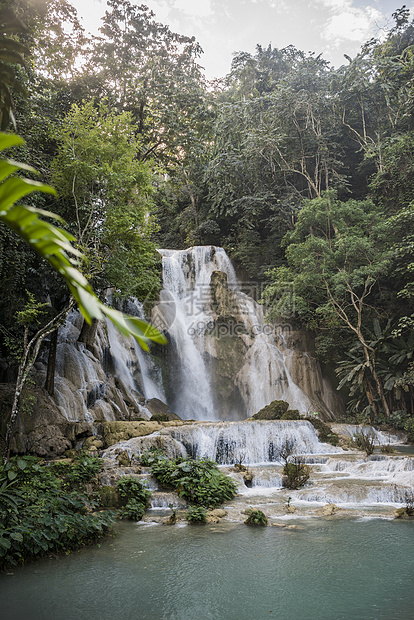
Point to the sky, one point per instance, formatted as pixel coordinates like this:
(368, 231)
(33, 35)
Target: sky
(222, 27)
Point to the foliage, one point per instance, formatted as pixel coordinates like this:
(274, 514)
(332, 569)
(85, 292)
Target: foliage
(150, 456)
(130, 488)
(295, 474)
(133, 510)
(365, 440)
(197, 514)
(84, 469)
(409, 429)
(44, 513)
(256, 517)
(54, 244)
(12, 53)
(198, 481)
(105, 192)
(409, 503)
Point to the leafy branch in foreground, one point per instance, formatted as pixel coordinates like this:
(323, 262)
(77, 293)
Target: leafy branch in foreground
(55, 245)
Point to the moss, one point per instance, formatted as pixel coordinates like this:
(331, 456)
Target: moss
(291, 414)
(160, 417)
(324, 431)
(274, 411)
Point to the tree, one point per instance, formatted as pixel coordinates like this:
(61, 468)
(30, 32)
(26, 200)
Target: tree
(105, 193)
(148, 70)
(11, 55)
(336, 256)
(54, 244)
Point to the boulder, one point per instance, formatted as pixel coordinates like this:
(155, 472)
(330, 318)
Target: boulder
(273, 411)
(218, 512)
(160, 411)
(404, 513)
(328, 510)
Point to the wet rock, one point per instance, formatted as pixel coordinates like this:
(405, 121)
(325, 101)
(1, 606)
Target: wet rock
(93, 443)
(123, 458)
(114, 432)
(211, 518)
(290, 509)
(328, 510)
(404, 513)
(160, 411)
(218, 512)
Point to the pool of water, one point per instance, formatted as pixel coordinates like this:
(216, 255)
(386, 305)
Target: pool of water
(327, 569)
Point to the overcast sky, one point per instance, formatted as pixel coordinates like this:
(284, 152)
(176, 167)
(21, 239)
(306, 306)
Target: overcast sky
(222, 27)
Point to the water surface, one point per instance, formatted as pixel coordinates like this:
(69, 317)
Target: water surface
(328, 570)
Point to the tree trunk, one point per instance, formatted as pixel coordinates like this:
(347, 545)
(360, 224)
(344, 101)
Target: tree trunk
(30, 353)
(51, 363)
(88, 333)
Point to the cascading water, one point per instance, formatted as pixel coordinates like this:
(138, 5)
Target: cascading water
(226, 362)
(186, 277)
(349, 479)
(107, 382)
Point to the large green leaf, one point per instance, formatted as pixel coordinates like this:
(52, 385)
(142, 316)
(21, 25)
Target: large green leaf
(55, 245)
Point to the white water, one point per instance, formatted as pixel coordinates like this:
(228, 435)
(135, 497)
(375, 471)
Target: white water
(87, 391)
(188, 313)
(249, 442)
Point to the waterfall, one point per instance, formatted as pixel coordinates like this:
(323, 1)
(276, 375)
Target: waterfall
(107, 382)
(336, 475)
(226, 363)
(248, 443)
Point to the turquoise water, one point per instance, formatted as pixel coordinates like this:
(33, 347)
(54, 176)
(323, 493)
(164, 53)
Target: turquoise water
(327, 570)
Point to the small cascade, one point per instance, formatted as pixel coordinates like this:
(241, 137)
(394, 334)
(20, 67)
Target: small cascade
(349, 479)
(250, 443)
(110, 381)
(353, 430)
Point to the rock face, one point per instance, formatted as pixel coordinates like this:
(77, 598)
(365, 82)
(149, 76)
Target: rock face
(41, 427)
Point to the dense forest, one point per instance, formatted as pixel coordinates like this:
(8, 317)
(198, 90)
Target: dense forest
(302, 172)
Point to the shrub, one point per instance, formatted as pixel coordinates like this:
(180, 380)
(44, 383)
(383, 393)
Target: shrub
(198, 481)
(256, 517)
(365, 441)
(286, 450)
(197, 514)
(150, 456)
(42, 513)
(409, 503)
(295, 474)
(134, 510)
(84, 469)
(130, 488)
(409, 429)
